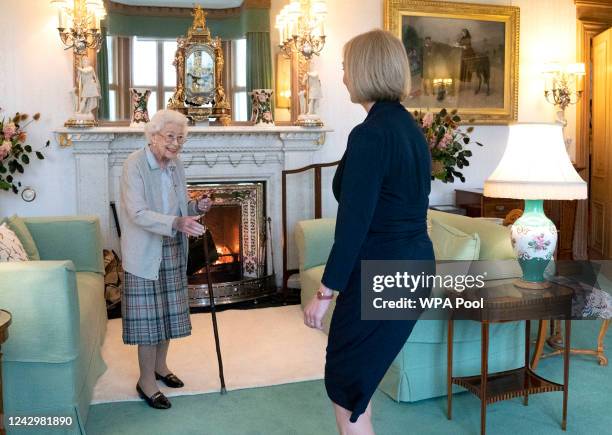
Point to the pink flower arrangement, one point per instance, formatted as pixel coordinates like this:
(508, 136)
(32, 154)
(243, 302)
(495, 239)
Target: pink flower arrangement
(446, 140)
(14, 151)
(427, 120)
(446, 143)
(5, 149)
(9, 130)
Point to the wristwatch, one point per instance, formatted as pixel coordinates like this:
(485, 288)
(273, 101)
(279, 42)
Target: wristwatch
(323, 297)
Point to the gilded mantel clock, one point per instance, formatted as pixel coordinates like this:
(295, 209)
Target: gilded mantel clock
(199, 64)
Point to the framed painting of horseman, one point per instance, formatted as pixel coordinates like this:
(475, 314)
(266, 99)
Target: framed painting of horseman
(461, 55)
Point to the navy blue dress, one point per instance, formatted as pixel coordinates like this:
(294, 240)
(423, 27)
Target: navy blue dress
(382, 186)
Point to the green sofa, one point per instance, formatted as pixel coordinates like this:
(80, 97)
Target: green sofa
(52, 357)
(419, 371)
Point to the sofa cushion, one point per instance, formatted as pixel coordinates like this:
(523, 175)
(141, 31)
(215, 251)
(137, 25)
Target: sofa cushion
(449, 243)
(319, 233)
(11, 248)
(75, 238)
(18, 225)
(494, 239)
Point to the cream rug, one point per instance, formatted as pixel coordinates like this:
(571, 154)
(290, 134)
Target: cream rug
(260, 347)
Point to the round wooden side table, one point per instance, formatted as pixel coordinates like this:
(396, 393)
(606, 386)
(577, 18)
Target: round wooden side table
(5, 322)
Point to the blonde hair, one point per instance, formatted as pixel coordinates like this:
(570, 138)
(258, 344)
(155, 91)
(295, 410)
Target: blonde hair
(163, 117)
(377, 67)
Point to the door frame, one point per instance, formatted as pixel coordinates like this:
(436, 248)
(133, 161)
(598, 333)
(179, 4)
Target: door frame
(593, 17)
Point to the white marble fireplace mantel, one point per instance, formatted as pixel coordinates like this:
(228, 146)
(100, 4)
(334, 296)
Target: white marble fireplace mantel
(234, 153)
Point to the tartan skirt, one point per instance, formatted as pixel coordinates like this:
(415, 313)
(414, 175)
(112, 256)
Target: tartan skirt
(154, 311)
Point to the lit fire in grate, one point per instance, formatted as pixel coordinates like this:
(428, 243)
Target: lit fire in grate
(225, 255)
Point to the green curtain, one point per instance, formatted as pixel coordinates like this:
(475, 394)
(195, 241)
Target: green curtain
(259, 63)
(102, 66)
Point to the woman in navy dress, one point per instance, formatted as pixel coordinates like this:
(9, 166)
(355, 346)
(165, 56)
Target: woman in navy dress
(382, 186)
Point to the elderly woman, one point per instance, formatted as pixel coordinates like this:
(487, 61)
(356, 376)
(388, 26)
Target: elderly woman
(156, 219)
(382, 186)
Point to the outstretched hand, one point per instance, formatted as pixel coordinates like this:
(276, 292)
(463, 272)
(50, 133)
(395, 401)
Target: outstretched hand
(188, 225)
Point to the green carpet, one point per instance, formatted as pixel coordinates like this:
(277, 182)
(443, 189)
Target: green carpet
(304, 409)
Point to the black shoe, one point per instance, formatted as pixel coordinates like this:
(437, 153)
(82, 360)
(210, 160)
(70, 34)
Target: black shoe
(157, 400)
(170, 380)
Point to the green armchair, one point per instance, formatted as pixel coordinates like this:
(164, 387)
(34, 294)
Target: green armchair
(52, 357)
(419, 371)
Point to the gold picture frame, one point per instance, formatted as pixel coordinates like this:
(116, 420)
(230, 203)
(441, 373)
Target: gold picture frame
(478, 75)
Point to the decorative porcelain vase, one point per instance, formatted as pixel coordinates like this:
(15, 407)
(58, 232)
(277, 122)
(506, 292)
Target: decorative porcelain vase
(534, 238)
(261, 112)
(139, 99)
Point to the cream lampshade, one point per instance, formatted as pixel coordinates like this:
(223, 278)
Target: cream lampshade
(534, 167)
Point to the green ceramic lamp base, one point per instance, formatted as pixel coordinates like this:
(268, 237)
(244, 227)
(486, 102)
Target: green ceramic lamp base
(534, 239)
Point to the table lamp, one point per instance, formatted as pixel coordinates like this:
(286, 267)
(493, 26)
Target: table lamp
(535, 167)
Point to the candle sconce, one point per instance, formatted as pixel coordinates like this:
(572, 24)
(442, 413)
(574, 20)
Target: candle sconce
(301, 28)
(563, 86)
(79, 25)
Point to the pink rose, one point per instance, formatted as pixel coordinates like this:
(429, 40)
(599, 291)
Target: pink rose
(9, 130)
(446, 140)
(428, 120)
(5, 149)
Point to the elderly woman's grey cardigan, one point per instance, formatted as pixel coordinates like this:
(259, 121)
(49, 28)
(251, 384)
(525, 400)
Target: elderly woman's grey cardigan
(142, 222)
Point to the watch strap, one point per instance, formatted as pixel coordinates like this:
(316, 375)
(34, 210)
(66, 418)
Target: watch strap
(323, 297)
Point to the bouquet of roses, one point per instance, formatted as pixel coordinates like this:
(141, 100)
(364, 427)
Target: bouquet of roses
(446, 143)
(14, 151)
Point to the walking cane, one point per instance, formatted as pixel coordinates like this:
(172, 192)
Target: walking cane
(213, 312)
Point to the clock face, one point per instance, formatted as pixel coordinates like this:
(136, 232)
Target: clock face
(200, 75)
(28, 194)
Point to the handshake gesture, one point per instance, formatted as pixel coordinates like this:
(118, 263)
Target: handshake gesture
(189, 224)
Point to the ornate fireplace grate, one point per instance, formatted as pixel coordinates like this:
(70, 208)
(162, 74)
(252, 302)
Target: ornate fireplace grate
(237, 226)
